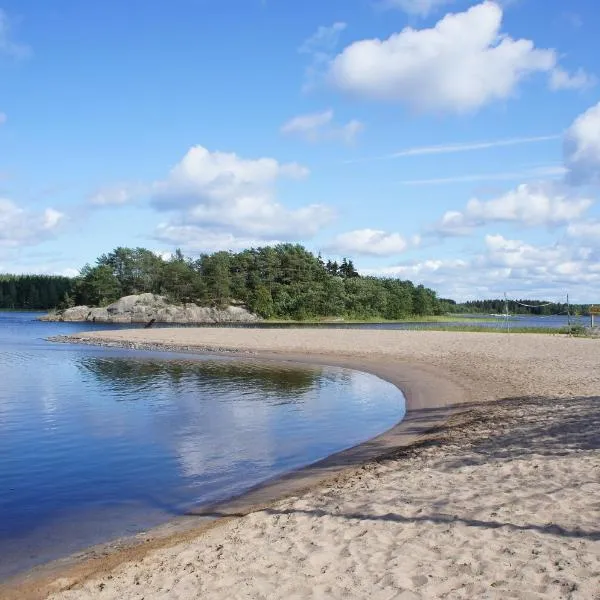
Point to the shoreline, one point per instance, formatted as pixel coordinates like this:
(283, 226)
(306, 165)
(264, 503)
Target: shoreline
(433, 392)
(425, 411)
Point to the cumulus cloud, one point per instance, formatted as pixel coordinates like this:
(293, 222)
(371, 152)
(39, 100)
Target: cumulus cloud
(117, 195)
(582, 148)
(373, 242)
(563, 80)
(418, 8)
(8, 46)
(503, 252)
(11, 262)
(508, 265)
(317, 127)
(585, 231)
(21, 227)
(227, 193)
(528, 205)
(193, 238)
(422, 270)
(461, 64)
(558, 263)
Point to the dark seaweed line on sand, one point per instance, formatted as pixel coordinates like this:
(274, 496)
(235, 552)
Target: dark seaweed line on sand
(145, 346)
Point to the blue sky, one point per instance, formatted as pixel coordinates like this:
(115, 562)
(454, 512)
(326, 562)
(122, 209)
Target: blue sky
(450, 142)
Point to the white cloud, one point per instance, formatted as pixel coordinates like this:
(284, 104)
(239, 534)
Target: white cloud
(117, 195)
(585, 231)
(51, 219)
(558, 263)
(418, 8)
(507, 265)
(12, 265)
(533, 173)
(503, 252)
(459, 147)
(316, 127)
(227, 193)
(460, 65)
(192, 238)
(21, 227)
(582, 148)
(563, 80)
(370, 242)
(323, 41)
(470, 146)
(2, 118)
(528, 205)
(421, 270)
(8, 47)
(320, 47)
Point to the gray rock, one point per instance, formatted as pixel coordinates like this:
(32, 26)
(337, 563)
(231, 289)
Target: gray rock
(142, 308)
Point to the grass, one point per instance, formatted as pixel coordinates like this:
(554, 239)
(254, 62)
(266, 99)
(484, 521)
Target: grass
(412, 319)
(575, 330)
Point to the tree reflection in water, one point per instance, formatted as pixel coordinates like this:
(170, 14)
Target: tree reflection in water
(276, 381)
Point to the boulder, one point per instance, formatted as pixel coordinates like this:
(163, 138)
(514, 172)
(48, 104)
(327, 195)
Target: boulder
(142, 308)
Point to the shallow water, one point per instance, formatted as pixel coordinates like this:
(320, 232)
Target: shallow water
(97, 443)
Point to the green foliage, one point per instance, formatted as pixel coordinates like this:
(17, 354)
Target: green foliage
(260, 302)
(534, 307)
(97, 286)
(576, 329)
(423, 301)
(39, 292)
(283, 282)
(180, 282)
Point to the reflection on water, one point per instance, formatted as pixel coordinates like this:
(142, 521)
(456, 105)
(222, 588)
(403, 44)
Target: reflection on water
(230, 376)
(96, 443)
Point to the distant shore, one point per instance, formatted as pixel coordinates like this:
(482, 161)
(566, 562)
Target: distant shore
(512, 464)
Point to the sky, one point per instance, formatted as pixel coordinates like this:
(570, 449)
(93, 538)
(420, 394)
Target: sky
(450, 142)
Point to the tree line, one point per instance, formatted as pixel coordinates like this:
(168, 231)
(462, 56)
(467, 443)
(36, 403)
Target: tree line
(518, 307)
(283, 281)
(36, 292)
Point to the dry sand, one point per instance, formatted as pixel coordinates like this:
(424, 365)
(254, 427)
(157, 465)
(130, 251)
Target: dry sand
(502, 501)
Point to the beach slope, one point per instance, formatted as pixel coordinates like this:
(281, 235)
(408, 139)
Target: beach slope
(501, 500)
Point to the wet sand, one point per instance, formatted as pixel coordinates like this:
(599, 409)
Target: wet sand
(499, 500)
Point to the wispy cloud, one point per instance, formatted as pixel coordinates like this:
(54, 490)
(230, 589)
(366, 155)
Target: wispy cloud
(9, 47)
(460, 147)
(320, 47)
(419, 8)
(316, 127)
(550, 171)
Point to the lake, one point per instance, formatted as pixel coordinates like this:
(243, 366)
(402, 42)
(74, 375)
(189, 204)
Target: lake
(98, 443)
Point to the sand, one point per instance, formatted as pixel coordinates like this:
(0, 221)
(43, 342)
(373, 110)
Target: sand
(501, 500)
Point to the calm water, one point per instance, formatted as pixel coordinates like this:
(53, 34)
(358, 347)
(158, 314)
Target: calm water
(97, 443)
(491, 322)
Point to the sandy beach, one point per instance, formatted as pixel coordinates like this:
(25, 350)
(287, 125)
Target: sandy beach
(499, 499)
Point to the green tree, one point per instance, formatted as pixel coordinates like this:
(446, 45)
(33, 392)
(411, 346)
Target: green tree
(261, 302)
(423, 301)
(181, 283)
(215, 271)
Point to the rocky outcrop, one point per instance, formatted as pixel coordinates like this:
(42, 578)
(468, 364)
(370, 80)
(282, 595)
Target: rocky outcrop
(143, 308)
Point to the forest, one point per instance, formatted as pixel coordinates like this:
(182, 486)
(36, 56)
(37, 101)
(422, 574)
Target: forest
(280, 282)
(39, 292)
(285, 281)
(519, 307)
